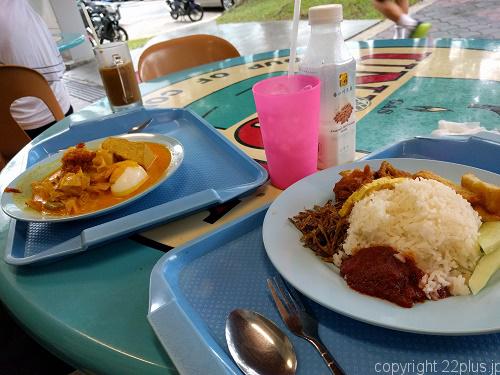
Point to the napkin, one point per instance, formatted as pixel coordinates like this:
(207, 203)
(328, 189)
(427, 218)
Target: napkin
(459, 128)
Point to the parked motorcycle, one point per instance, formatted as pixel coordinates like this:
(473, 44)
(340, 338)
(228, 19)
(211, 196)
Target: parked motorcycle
(105, 18)
(189, 8)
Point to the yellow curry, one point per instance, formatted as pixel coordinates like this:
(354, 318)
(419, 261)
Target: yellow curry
(90, 180)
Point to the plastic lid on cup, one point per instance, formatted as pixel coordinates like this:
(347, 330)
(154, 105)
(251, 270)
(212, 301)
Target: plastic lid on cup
(321, 14)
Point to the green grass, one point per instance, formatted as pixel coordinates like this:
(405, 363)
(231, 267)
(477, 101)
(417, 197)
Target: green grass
(137, 43)
(275, 10)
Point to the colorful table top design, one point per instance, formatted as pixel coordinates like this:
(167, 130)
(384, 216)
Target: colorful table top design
(91, 309)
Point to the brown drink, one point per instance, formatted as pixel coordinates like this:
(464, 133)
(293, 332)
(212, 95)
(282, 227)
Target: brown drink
(120, 84)
(118, 76)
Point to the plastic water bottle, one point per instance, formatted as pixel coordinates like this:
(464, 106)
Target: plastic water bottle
(328, 57)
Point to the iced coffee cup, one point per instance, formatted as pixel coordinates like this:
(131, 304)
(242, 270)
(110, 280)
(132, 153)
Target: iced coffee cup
(118, 76)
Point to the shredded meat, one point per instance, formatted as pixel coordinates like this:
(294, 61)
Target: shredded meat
(323, 230)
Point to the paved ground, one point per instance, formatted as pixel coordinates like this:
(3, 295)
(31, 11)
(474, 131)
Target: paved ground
(459, 19)
(144, 19)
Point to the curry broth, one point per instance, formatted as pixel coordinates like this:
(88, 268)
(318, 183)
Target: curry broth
(106, 199)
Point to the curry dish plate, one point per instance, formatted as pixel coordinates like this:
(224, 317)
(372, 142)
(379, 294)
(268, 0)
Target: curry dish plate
(322, 283)
(13, 204)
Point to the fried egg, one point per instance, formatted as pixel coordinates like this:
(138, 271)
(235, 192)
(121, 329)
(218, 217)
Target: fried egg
(127, 177)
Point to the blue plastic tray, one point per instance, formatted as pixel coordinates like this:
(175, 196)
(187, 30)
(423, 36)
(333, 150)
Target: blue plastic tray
(193, 289)
(213, 171)
(479, 151)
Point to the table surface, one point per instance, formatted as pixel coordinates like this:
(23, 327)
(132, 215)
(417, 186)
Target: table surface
(90, 309)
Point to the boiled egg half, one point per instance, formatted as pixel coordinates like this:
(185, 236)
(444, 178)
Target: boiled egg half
(127, 177)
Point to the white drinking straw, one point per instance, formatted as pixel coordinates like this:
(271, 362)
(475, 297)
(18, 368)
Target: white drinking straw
(91, 25)
(295, 30)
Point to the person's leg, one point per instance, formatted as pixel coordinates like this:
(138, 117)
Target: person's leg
(404, 5)
(399, 31)
(397, 12)
(389, 9)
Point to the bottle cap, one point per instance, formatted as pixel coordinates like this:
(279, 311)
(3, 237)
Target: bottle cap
(325, 14)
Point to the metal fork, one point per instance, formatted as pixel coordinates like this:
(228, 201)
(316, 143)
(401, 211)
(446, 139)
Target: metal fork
(296, 318)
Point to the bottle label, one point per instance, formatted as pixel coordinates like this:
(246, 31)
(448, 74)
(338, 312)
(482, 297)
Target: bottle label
(337, 132)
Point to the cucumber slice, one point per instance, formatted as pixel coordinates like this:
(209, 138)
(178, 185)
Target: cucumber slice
(489, 236)
(485, 268)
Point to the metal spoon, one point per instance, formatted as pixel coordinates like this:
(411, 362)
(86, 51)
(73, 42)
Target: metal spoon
(258, 346)
(138, 128)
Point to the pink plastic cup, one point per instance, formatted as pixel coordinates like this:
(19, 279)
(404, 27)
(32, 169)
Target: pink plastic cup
(288, 110)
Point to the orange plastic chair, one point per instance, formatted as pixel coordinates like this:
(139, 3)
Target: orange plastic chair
(182, 53)
(20, 82)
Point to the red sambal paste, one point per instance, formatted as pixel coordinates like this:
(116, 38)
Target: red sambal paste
(377, 272)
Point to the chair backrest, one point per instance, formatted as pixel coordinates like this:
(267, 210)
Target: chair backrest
(182, 53)
(20, 82)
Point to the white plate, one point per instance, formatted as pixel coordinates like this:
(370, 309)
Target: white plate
(13, 204)
(322, 283)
